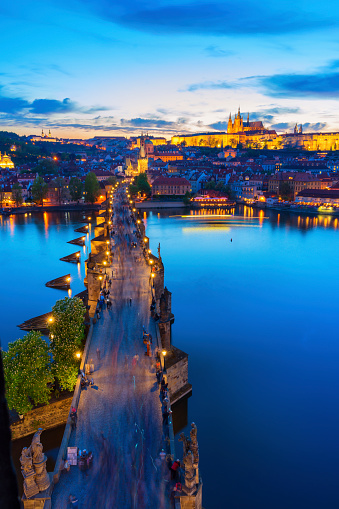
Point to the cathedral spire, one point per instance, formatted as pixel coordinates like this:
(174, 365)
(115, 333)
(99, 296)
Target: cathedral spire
(248, 119)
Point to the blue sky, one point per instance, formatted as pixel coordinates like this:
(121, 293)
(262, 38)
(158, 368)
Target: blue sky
(83, 68)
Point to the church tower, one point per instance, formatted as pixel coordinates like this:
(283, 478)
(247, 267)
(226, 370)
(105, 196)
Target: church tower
(230, 125)
(142, 159)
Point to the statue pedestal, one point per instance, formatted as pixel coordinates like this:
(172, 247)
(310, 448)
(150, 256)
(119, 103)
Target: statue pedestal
(30, 485)
(40, 501)
(42, 478)
(191, 501)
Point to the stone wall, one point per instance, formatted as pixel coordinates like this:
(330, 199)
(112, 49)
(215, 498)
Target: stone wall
(177, 374)
(48, 416)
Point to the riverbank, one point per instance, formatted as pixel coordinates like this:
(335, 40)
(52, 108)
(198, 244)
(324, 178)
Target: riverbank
(51, 208)
(149, 205)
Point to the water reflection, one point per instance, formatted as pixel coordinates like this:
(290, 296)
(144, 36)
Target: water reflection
(259, 322)
(31, 246)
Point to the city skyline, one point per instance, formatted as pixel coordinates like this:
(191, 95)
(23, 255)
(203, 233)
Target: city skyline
(83, 70)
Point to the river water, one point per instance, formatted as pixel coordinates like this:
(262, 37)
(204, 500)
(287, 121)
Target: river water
(256, 306)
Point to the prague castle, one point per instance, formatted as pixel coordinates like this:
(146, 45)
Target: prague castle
(255, 135)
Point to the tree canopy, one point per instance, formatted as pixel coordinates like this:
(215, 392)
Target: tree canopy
(17, 194)
(92, 187)
(75, 188)
(27, 372)
(66, 336)
(140, 185)
(39, 190)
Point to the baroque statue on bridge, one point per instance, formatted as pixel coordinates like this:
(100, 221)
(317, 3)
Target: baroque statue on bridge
(33, 467)
(190, 460)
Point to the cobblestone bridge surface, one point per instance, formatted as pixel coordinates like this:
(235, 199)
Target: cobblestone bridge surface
(119, 418)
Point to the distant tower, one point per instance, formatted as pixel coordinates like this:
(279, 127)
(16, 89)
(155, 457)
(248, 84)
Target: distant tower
(296, 129)
(49, 133)
(300, 129)
(142, 159)
(42, 133)
(230, 124)
(248, 119)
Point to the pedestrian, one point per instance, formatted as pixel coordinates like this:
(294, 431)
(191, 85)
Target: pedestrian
(162, 455)
(98, 354)
(74, 501)
(175, 470)
(130, 302)
(159, 375)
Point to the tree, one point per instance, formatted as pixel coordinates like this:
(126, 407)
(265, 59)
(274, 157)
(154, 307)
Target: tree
(46, 167)
(60, 185)
(92, 187)
(66, 336)
(75, 188)
(112, 180)
(142, 184)
(285, 191)
(27, 372)
(187, 198)
(39, 190)
(210, 185)
(17, 194)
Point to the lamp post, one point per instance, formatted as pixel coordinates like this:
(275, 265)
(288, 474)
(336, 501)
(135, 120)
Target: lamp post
(164, 353)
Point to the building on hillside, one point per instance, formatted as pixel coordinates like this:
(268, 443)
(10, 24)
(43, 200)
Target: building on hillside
(6, 161)
(170, 186)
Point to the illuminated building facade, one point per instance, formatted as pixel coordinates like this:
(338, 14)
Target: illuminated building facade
(6, 161)
(255, 135)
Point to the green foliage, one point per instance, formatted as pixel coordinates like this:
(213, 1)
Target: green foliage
(112, 180)
(187, 198)
(285, 191)
(46, 167)
(92, 187)
(17, 194)
(27, 372)
(210, 185)
(66, 336)
(75, 188)
(39, 190)
(140, 185)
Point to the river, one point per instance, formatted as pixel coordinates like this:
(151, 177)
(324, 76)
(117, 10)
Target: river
(255, 304)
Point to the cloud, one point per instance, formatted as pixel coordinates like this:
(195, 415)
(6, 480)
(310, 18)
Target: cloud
(216, 52)
(318, 126)
(219, 17)
(19, 105)
(12, 104)
(219, 126)
(323, 84)
(208, 85)
(282, 126)
(44, 106)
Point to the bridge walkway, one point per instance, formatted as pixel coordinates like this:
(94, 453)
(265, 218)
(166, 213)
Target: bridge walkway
(119, 418)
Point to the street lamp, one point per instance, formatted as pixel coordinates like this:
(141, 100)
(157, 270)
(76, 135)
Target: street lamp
(164, 353)
(78, 355)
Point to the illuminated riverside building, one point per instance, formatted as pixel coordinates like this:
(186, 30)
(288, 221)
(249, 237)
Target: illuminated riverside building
(6, 161)
(255, 135)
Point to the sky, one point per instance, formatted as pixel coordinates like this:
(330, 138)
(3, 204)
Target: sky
(85, 68)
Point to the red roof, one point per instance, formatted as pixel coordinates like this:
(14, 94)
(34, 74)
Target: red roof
(171, 181)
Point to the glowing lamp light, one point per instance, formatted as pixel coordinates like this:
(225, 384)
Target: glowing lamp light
(107, 241)
(68, 280)
(105, 263)
(164, 353)
(89, 218)
(100, 277)
(138, 221)
(134, 210)
(50, 319)
(78, 355)
(152, 275)
(78, 254)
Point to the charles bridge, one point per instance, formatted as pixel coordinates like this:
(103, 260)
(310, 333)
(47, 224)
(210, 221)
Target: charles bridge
(122, 422)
